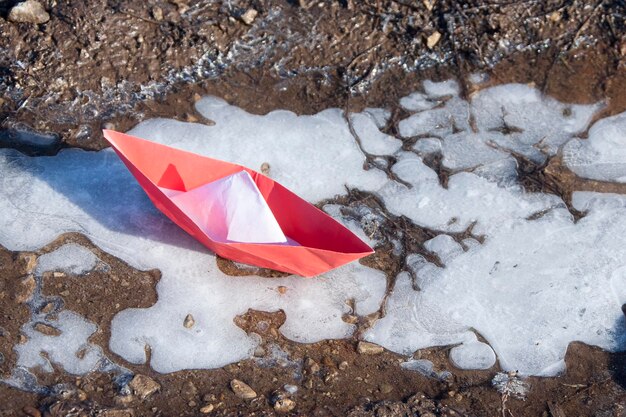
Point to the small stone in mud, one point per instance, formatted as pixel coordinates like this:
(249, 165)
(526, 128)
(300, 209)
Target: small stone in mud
(30, 11)
(30, 261)
(31, 411)
(26, 289)
(47, 330)
(157, 13)
(281, 402)
(433, 39)
(249, 16)
(367, 348)
(190, 118)
(242, 390)
(189, 390)
(116, 413)
(312, 367)
(144, 386)
(386, 388)
(284, 405)
(207, 409)
(429, 4)
(265, 168)
(48, 308)
(189, 321)
(343, 366)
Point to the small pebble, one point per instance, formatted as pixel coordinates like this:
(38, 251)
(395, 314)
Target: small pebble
(284, 405)
(433, 39)
(144, 386)
(157, 13)
(386, 388)
(249, 16)
(189, 321)
(242, 390)
(29, 11)
(367, 348)
(47, 330)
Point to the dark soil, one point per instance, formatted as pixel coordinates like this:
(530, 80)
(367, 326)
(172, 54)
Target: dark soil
(332, 378)
(117, 62)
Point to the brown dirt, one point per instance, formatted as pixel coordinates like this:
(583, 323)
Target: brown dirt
(119, 61)
(104, 52)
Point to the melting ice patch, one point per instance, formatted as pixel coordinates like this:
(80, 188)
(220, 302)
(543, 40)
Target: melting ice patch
(70, 258)
(603, 155)
(93, 193)
(315, 156)
(313, 307)
(536, 282)
(69, 349)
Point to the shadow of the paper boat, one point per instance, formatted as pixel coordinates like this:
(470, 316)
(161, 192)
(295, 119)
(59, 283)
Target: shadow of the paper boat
(99, 185)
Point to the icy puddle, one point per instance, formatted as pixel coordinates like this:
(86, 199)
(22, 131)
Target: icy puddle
(531, 281)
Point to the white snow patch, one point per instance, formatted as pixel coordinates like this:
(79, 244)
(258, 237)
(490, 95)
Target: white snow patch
(94, 194)
(529, 289)
(539, 123)
(380, 116)
(440, 89)
(373, 140)
(507, 289)
(475, 355)
(427, 146)
(70, 258)
(417, 102)
(314, 156)
(62, 350)
(445, 247)
(314, 310)
(603, 155)
(468, 199)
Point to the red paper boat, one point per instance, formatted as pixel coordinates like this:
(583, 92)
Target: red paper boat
(236, 212)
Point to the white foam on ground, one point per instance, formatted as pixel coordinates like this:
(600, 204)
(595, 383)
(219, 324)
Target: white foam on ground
(93, 193)
(373, 141)
(417, 102)
(314, 310)
(468, 199)
(70, 350)
(602, 156)
(70, 258)
(540, 123)
(529, 290)
(474, 355)
(536, 283)
(444, 246)
(314, 156)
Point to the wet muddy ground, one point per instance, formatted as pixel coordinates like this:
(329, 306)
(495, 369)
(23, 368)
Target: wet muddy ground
(115, 63)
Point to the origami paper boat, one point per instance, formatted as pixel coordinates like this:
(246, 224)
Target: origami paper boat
(236, 212)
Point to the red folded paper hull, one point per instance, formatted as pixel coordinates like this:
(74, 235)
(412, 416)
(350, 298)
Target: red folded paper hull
(324, 244)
